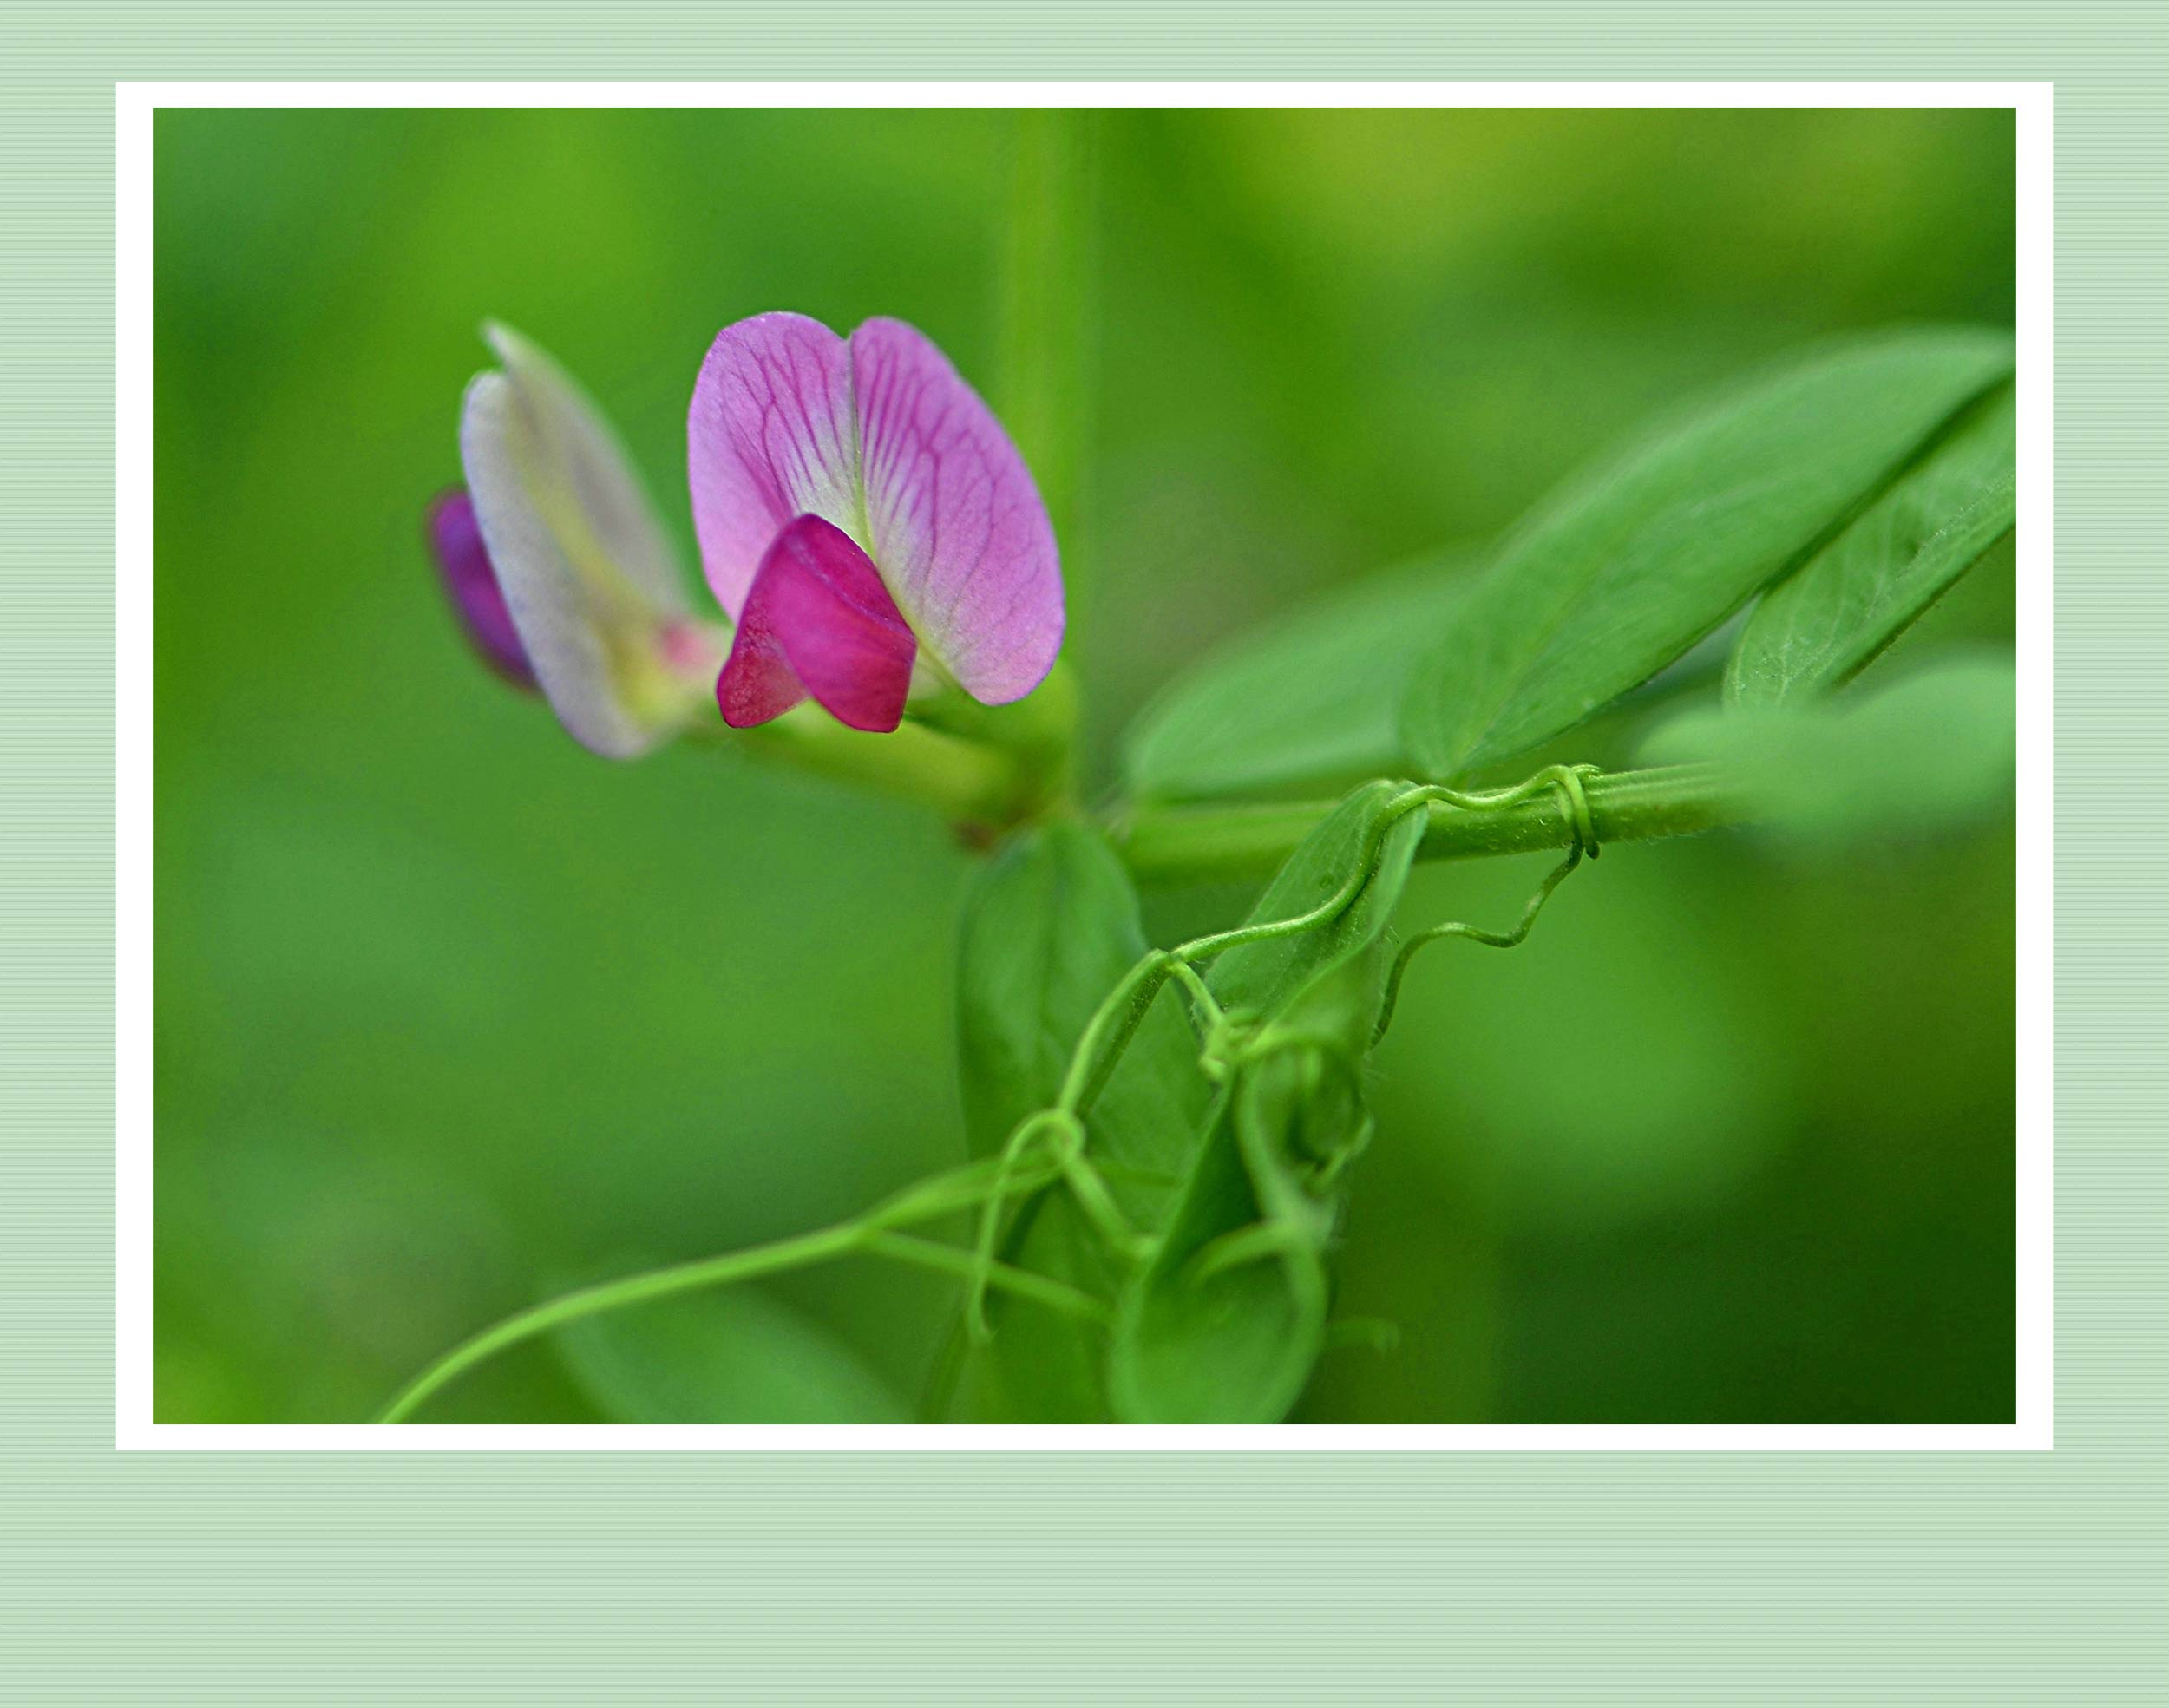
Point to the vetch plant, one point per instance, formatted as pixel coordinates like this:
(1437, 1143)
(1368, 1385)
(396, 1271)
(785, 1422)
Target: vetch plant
(1163, 1140)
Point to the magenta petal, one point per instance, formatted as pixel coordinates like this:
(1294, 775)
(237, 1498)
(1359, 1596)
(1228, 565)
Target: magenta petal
(463, 560)
(771, 435)
(952, 517)
(818, 621)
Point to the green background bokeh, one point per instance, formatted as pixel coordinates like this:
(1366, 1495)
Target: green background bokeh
(447, 1009)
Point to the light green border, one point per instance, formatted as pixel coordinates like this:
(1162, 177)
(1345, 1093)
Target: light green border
(967, 1579)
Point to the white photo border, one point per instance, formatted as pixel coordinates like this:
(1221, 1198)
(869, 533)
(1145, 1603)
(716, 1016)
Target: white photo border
(2033, 1426)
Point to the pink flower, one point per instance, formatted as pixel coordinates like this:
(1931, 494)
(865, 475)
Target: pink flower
(867, 525)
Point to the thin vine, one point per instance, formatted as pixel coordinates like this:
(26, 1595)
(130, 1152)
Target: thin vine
(1048, 1148)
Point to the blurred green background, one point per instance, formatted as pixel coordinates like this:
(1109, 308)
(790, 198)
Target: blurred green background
(448, 1010)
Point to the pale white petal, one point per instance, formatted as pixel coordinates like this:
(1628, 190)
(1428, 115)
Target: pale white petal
(576, 641)
(568, 447)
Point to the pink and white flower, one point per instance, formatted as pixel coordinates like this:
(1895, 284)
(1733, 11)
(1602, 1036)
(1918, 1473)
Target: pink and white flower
(867, 525)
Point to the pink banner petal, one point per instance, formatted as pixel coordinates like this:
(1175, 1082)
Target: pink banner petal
(771, 436)
(952, 517)
(818, 621)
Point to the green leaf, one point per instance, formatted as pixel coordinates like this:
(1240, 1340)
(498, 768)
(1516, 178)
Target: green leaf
(1625, 569)
(1233, 1346)
(1930, 752)
(1227, 1324)
(735, 1356)
(1829, 618)
(1228, 1321)
(1050, 929)
(1311, 700)
(1267, 977)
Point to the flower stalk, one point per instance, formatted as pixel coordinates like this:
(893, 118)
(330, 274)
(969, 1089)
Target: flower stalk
(988, 770)
(1226, 844)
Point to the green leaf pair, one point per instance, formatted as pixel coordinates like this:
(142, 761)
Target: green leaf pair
(1855, 483)
(1049, 928)
(1828, 620)
(1304, 703)
(1225, 1317)
(1228, 1321)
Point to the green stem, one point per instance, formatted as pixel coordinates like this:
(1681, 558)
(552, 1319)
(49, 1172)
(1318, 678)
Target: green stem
(967, 782)
(1225, 844)
(1108, 1033)
(1265, 931)
(955, 1260)
(820, 1247)
(1045, 308)
(870, 1234)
